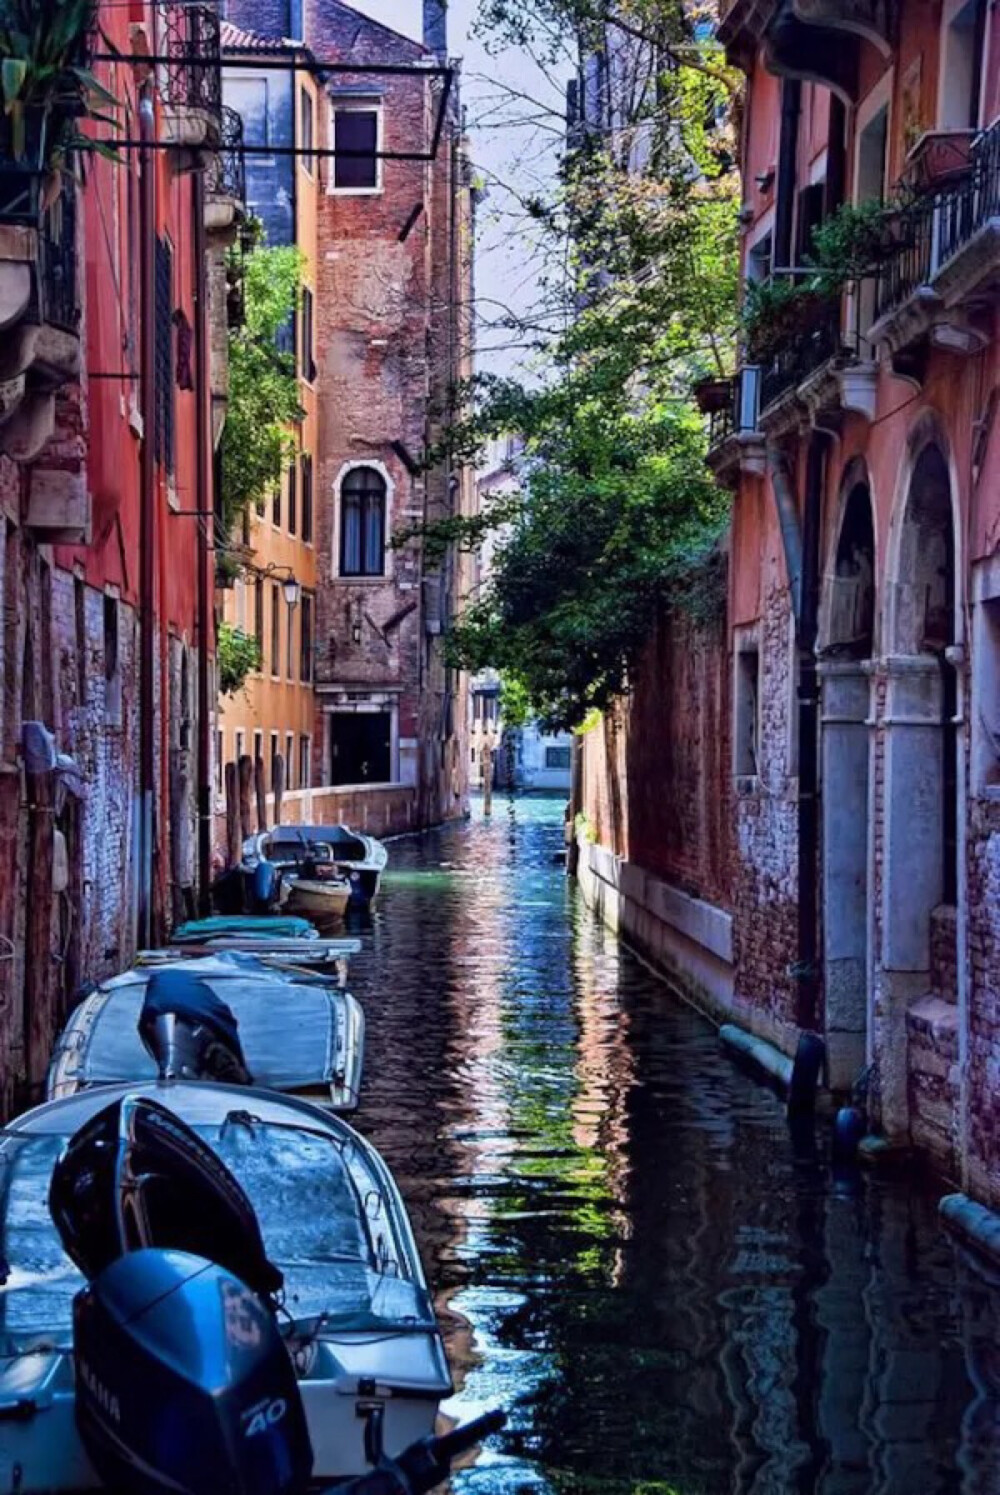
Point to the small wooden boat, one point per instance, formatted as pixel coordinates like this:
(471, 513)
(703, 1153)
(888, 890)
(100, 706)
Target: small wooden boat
(358, 1321)
(298, 1034)
(361, 859)
(324, 898)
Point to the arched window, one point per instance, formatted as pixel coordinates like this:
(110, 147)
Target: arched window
(362, 523)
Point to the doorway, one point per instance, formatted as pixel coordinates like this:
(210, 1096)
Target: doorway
(360, 747)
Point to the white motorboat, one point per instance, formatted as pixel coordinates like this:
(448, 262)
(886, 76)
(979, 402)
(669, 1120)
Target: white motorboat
(357, 1319)
(359, 858)
(297, 1033)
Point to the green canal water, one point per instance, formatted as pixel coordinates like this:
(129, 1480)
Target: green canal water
(628, 1252)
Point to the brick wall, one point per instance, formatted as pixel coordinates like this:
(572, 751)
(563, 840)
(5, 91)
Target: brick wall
(656, 779)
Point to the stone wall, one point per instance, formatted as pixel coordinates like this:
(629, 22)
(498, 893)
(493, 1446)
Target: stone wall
(376, 810)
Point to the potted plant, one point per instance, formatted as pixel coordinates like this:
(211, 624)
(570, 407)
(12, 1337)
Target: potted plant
(45, 89)
(938, 158)
(713, 394)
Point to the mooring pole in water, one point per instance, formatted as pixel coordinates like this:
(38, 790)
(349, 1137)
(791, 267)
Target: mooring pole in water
(488, 774)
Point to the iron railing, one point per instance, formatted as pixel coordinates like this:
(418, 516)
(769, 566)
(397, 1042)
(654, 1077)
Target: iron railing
(192, 78)
(56, 294)
(936, 225)
(738, 417)
(225, 169)
(801, 355)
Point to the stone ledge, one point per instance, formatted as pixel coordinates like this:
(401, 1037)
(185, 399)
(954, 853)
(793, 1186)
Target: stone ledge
(761, 1054)
(697, 920)
(973, 1223)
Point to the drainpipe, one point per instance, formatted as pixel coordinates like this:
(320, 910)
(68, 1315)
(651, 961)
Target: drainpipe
(807, 999)
(205, 507)
(147, 506)
(788, 523)
(784, 203)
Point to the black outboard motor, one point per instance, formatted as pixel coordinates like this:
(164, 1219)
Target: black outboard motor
(189, 1031)
(183, 1382)
(184, 1385)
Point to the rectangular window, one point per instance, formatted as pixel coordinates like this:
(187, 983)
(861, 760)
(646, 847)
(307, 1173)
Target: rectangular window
(293, 498)
(240, 747)
(164, 344)
(356, 166)
(308, 365)
(249, 97)
(306, 130)
(306, 639)
(290, 642)
(275, 754)
(275, 629)
(240, 603)
(80, 611)
(746, 735)
(986, 698)
(557, 757)
(258, 748)
(307, 498)
(112, 664)
(289, 758)
(305, 762)
(276, 506)
(258, 618)
(220, 751)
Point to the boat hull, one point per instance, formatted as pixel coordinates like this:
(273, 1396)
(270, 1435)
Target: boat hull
(41, 1452)
(316, 899)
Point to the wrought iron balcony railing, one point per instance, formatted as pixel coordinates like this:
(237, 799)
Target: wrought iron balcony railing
(192, 78)
(939, 223)
(801, 356)
(738, 417)
(56, 296)
(225, 170)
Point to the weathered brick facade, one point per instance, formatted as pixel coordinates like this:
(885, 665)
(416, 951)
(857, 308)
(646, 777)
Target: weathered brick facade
(74, 505)
(393, 335)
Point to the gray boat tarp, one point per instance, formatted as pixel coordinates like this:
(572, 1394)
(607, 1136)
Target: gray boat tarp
(321, 1214)
(290, 1030)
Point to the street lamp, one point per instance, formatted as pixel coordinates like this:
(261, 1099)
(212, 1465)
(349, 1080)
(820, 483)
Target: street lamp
(293, 591)
(291, 587)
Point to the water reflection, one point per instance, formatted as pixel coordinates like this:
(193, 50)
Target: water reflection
(629, 1252)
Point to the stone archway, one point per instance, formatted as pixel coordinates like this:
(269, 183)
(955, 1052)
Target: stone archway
(919, 862)
(846, 645)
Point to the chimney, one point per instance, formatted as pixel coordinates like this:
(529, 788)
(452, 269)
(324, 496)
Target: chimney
(436, 28)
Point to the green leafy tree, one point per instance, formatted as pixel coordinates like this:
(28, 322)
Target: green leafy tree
(237, 654)
(263, 386)
(614, 513)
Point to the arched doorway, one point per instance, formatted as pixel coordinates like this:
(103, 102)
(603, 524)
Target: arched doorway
(846, 645)
(919, 872)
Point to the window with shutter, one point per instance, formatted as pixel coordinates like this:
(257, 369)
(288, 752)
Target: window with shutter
(356, 166)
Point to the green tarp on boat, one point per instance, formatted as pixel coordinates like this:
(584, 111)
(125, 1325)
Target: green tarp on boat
(246, 926)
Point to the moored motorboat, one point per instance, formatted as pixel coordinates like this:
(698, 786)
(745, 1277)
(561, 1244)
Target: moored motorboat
(357, 1321)
(296, 1033)
(359, 858)
(320, 897)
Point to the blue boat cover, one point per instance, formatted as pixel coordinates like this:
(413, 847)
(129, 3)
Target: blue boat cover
(277, 926)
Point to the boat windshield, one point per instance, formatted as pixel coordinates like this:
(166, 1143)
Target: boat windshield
(325, 1217)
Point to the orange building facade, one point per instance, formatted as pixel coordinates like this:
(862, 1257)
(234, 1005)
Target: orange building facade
(274, 597)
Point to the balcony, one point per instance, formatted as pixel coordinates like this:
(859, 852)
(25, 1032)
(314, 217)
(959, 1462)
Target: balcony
(39, 359)
(191, 79)
(225, 179)
(735, 442)
(939, 288)
(814, 40)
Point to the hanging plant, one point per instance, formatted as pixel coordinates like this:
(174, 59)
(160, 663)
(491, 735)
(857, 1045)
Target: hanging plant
(46, 86)
(238, 655)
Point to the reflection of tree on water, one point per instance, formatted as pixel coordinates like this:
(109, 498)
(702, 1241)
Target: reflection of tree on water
(666, 1296)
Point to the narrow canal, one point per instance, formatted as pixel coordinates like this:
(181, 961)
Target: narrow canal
(627, 1252)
